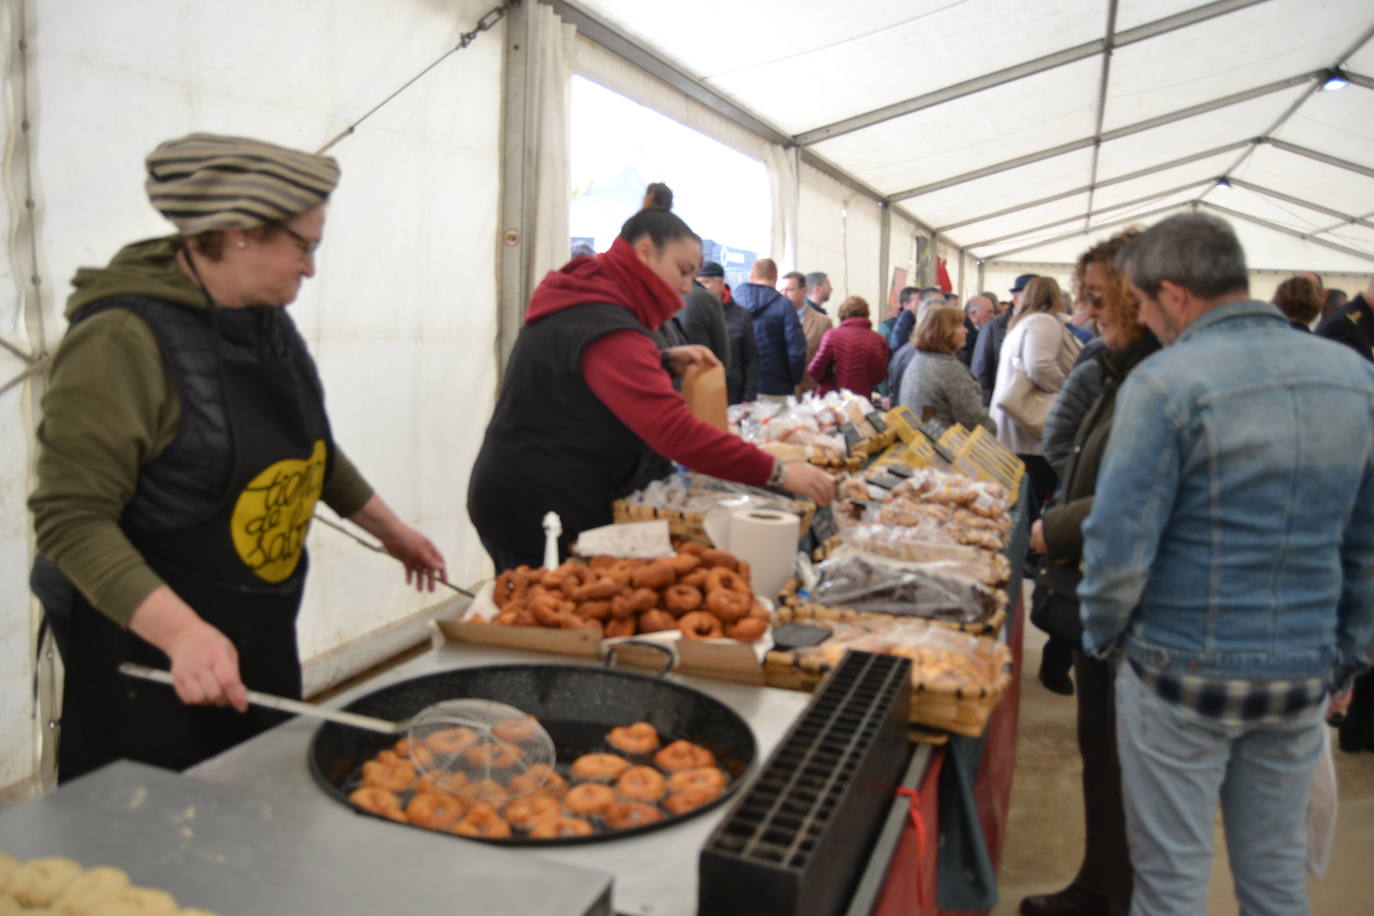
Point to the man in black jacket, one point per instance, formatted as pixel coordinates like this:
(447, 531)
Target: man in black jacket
(742, 365)
(702, 320)
(1353, 324)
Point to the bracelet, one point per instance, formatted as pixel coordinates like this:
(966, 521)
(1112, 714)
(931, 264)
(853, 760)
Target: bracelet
(775, 478)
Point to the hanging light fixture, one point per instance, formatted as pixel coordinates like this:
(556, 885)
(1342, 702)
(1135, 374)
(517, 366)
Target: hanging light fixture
(1224, 184)
(1335, 80)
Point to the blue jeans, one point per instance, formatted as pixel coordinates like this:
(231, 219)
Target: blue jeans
(1175, 764)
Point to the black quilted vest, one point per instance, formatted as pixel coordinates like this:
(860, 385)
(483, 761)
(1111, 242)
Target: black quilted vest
(552, 444)
(189, 481)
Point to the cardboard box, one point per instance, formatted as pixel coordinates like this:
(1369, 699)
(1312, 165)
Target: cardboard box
(720, 659)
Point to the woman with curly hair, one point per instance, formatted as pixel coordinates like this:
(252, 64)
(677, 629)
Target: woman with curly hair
(1298, 299)
(1103, 882)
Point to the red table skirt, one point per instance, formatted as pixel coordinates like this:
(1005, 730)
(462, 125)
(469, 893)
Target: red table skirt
(910, 888)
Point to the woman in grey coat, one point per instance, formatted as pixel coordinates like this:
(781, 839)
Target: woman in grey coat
(936, 386)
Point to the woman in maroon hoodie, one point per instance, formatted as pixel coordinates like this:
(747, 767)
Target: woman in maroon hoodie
(587, 393)
(852, 355)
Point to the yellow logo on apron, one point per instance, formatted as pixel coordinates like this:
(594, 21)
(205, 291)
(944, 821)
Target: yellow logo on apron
(273, 514)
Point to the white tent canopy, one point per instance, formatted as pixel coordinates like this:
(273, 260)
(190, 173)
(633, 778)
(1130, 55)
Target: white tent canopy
(998, 135)
(1020, 132)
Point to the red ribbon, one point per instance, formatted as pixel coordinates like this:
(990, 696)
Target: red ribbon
(919, 822)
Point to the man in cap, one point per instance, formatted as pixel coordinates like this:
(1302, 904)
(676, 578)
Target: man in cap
(183, 447)
(701, 318)
(1229, 565)
(742, 368)
(988, 350)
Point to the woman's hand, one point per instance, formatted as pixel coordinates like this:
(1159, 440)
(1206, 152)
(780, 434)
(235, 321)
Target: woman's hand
(205, 664)
(1037, 537)
(681, 358)
(809, 481)
(422, 560)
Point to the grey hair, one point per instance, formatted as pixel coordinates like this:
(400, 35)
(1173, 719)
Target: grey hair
(815, 278)
(932, 297)
(1197, 251)
(973, 300)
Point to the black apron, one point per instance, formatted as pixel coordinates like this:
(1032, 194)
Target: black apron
(242, 570)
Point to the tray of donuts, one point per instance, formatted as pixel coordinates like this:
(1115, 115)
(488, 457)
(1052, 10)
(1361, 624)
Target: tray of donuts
(699, 602)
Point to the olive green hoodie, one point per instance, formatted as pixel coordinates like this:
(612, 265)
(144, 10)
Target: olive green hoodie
(110, 409)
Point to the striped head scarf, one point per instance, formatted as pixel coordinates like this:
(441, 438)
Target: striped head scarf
(206, 182)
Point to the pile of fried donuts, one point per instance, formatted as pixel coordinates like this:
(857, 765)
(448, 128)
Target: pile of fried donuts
(703, 592)
(636, 781)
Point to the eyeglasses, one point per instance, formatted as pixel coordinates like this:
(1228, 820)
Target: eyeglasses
(307, 246)
(1093, 297)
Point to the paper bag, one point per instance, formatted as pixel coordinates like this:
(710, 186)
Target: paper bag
(704, 391)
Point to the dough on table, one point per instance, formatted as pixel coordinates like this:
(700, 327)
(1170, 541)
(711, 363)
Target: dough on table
(8, 866)
(9, 908)
(90, 890)
(39, 882)
(137, 901)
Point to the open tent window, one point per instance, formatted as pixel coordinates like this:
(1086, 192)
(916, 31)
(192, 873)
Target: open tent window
(619, 147)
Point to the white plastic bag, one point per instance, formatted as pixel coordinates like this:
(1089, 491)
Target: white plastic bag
(1321, 810)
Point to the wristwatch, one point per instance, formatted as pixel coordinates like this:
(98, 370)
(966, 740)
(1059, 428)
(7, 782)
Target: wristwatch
(779, 468)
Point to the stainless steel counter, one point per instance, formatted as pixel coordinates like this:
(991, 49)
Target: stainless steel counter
(655, 873)
(239, 853)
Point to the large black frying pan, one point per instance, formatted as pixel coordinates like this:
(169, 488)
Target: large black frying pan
(576, 705)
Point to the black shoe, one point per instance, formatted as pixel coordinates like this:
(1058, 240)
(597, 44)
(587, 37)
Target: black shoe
(1071, 901)
(1061, 684)
(1053, 673)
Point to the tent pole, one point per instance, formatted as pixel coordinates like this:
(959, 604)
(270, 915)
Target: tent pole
(513, 248)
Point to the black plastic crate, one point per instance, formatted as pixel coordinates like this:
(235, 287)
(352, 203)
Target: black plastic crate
(795, 842)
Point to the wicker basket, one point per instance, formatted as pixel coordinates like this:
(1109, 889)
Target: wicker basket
(960, 710)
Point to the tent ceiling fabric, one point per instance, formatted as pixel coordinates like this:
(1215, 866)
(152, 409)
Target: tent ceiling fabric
(1024, 129)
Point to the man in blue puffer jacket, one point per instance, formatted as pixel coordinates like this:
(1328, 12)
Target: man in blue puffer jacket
(782, 345)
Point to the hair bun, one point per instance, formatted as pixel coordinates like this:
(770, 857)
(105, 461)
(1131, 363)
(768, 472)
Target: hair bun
(658, 196)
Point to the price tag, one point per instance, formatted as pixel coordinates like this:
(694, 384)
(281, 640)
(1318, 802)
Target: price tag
(823, 525)
(877, 421)
(640, 540)
(851, 437)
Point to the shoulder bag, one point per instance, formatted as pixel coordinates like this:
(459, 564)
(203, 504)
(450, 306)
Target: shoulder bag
(1026, 402)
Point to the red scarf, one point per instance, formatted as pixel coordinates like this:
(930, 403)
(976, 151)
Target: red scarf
(616, 276)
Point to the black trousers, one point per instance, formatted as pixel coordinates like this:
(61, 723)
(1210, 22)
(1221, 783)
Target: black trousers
(1357, 731)
(1106, 867)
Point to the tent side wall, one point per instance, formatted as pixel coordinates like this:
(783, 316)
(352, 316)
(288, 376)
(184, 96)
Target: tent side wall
(401, 316)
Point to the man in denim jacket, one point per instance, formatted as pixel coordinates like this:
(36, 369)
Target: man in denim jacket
(1229, 561)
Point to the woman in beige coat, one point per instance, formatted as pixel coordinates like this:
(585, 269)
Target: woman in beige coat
(1039, 343)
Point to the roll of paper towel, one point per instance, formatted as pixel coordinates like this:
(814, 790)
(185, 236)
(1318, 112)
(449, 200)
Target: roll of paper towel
(766, 539)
